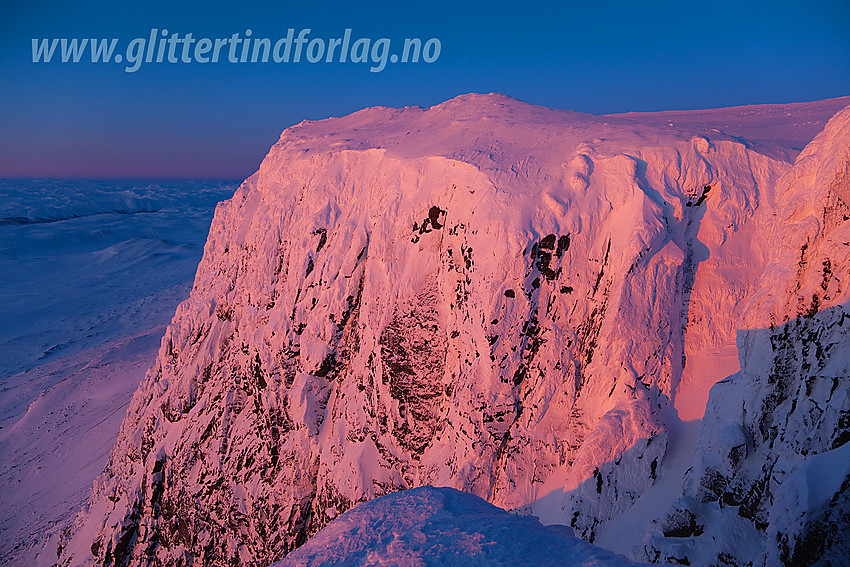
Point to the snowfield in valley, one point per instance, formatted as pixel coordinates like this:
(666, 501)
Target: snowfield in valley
(91, 273)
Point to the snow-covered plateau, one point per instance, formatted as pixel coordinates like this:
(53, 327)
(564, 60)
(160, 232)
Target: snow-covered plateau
(631, 325)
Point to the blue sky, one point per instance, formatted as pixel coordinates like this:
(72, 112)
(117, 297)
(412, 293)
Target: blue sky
(218, 120)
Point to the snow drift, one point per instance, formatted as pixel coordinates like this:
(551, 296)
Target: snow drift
(509, 300)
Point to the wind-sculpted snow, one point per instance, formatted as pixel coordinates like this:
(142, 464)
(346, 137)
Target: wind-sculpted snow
(441, 526)
(777, 130)
(770, 480)
(484, 295)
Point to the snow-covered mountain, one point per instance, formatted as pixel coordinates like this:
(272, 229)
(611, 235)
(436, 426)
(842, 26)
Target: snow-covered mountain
(517, 302)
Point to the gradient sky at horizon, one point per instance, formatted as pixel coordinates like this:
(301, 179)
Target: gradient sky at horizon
(218, 120)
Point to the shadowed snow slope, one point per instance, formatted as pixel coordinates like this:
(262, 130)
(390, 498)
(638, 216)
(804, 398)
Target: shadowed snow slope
(447, 528)
(514, 301)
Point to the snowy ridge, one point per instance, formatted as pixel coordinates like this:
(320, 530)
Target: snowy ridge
(485, 295)
(780, 131)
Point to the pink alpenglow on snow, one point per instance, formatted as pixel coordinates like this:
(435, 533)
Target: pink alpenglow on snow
(533, 306)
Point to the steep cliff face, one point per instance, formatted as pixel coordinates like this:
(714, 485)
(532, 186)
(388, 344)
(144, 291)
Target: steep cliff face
(485, 295)
(769, 485)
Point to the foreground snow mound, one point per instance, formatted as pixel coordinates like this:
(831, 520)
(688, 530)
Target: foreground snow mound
(445, 527)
